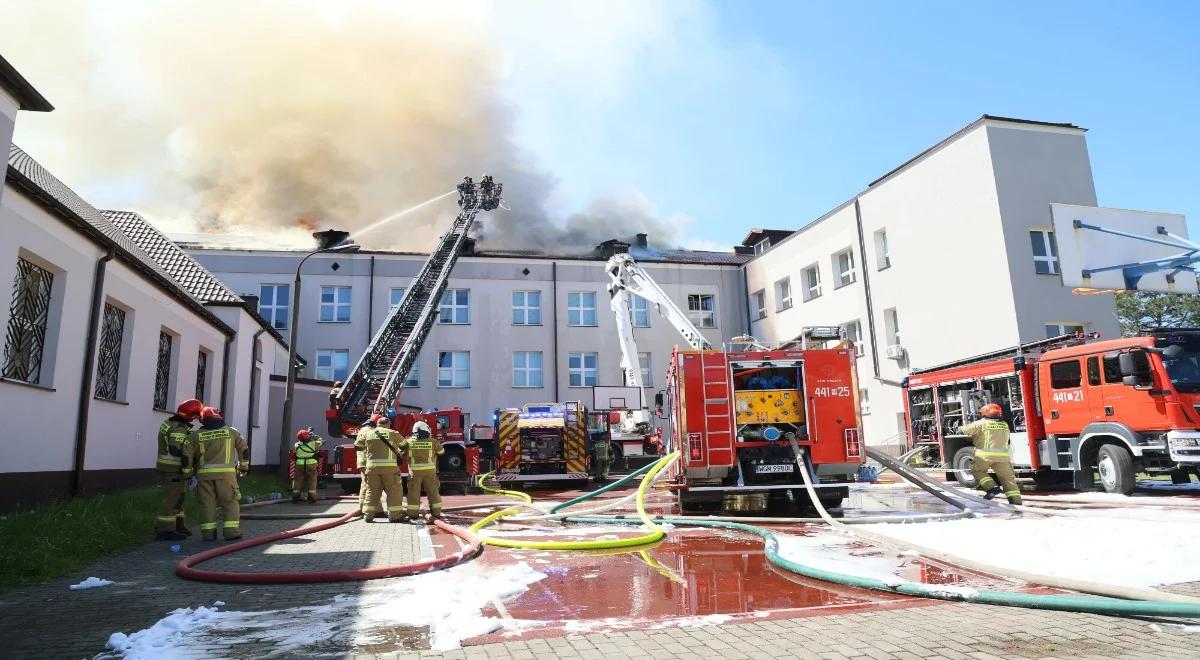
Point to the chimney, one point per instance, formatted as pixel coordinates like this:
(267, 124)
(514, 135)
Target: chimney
(641, 241)
(609, 248)
(251, 302)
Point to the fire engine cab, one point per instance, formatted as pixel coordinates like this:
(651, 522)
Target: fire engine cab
(1076, 405)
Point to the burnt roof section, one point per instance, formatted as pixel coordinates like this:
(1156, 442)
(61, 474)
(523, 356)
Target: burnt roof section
(969, 127)
(756, 236)
(21, 89)
(185, 270)
(30, 178)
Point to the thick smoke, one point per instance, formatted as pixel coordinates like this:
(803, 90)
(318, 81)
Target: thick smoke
(257, 121)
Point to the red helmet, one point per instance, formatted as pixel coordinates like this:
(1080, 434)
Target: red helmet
(190, 409)
(991, 410)
(303, 435)
(375, 418)
(210, 414)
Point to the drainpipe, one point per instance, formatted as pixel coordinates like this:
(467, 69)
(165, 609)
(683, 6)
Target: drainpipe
(89, 367)
(746, 297)
(862, 251)
(371, 303)
(554, 321)
(225, 373)
(253, 387)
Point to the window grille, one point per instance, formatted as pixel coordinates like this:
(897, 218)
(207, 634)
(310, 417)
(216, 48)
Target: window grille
(29, 313)
(162, 375)
(201, 374)
(108, 367)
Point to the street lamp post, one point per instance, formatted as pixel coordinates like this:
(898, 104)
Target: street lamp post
(329, 240)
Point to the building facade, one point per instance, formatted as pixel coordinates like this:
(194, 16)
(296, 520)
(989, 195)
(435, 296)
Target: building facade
(512, 329)
(949, 255)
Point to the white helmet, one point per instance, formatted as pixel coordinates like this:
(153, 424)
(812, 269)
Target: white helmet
(421, 426)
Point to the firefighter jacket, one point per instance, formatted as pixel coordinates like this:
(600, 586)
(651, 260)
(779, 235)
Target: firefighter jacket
(360, 442)
(306, 451)
(990, 437)
(422, 454)
(173, 455)
(378, 456)
(218, 452)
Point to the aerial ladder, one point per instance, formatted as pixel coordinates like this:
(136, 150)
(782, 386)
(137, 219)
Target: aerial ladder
(376, 381)
(627, 278)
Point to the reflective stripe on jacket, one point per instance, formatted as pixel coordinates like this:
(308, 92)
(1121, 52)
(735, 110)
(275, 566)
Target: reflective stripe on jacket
(422, 454)
(990, 437)
(172, 443)
(306, 452)
(217, 452)
(377, 455)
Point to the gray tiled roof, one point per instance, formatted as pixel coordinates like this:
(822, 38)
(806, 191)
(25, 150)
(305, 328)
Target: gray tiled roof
(203, 285)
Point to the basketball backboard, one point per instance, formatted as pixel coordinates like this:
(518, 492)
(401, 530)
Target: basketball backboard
(613, 397)
(1121, 250)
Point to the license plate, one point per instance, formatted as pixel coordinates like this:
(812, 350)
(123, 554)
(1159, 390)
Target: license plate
(770, 469)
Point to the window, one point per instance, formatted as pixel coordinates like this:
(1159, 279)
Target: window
(527, 369)
(762, 246)
(760, 303)
(413, 379)
(108, 361)
(581, 369)
(527, 307)
(581, 308)
(201, 373)
(455, 307)
(162, 372)
(1112, 370)
(854, 334)
(1045, 251)
(644, 367)
(702, 310)
(274, 301)
(454, 369)
(639, 311)
(335, 304)
(864, 401)
(812, 282)
(1056, 329)
(29, 315)
(843, 268)
(883, 259)
(783, 294)
(1093, 370)
(332, 364)
(395, 296)
(1064, 375)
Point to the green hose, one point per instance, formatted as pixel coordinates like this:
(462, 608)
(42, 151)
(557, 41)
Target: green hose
(1088, 604)
(600, 491)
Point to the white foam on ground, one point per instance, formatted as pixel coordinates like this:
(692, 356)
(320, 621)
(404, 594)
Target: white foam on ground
(831, 551)
(1114, 551)
(449, 603)
(90, 583)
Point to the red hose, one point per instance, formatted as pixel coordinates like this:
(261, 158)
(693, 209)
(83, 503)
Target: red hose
(185, 567)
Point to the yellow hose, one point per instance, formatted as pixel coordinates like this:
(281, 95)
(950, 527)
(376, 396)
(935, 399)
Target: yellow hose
(655, 532)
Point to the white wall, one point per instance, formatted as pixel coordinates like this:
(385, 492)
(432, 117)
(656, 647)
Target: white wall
(8, 121)
(254, 422)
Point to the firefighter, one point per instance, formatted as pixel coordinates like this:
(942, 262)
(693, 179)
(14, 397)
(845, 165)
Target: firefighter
(333, 392)
(360, 457)
(423, 450)
(381, 448)
(600, 454)
(220, 456)
(990, 437)
(306, 448)
(174, 470)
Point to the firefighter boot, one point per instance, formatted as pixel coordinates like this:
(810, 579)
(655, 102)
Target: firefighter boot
(402, 519)
(992, 492)
(181, 528)
(171, 535)
(295, 497)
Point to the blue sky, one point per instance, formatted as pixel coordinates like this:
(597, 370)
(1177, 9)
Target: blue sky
(790, 108)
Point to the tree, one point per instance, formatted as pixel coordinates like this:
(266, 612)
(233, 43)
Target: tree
(1144, 309)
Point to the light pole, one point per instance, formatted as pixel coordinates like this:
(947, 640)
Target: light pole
(329, 240)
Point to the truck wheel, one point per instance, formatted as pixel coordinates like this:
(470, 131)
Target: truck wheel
(351, 486)
(454, 459)
(616, 454)
(1115, 465)
(964, 459)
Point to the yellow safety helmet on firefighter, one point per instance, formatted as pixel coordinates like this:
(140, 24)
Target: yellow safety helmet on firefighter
(420, 427)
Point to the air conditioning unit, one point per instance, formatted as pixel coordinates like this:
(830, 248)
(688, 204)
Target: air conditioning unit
(895, 352)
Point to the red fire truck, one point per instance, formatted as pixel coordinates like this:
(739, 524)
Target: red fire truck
(542, 442)
(736, 415)
(460, 462)
(1076, 406)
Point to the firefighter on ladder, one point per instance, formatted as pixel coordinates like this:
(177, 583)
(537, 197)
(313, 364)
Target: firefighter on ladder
(381, 447)
(174, 469)
(220, 456)
(305, 473)
(990, 437)
(423, 449)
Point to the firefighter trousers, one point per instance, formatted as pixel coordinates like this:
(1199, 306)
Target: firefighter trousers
(378, 484)
(170, 510)
(1004, 472)
(362, 490)
(219, 493)
(305, 480)
(427, 480)
(602, 462)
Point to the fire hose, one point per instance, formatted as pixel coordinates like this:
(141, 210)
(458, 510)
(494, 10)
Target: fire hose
(186, 568)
